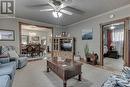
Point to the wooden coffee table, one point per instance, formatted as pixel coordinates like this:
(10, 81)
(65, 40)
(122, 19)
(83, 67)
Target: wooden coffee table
(65, 70)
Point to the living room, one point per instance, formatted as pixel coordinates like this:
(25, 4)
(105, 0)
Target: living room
(87, 16)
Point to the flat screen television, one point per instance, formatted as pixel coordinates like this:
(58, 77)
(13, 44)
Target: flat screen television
(66, 47)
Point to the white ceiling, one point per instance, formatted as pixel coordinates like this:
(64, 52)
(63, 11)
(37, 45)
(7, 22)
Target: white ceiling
(90, 7)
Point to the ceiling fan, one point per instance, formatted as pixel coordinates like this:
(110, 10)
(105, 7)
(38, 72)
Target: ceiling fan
(58, 7)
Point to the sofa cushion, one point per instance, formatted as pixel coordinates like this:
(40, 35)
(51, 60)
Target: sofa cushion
(13, 53)
(123, 83)
(126, 72)
(5, 50)
(8, 69)
(5, 81)
(111, 82)
(116, 81)
(4, 60)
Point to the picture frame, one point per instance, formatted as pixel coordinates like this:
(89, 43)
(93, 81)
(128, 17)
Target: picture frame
(87, 34)
(25, 39)
(7, 35)
(35, 38)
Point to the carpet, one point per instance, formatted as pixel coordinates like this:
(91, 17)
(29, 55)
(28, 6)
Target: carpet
(57, 82)
(35, 75)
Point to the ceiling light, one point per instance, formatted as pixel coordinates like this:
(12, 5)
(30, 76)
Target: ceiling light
(62, 5)
(57, 14)
(112, 16)
(112, 27)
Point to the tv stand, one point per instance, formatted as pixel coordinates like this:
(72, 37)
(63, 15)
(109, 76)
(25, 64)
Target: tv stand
(63, 47)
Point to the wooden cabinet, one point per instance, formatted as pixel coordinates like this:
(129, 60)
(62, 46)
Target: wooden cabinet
(63, 47)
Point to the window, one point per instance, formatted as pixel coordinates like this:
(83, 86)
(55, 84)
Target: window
(118, 35)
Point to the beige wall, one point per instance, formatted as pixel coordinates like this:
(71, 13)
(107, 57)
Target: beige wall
(10, 24)
(13, 24)
(94, 23)
(40, 34)
(74, 29)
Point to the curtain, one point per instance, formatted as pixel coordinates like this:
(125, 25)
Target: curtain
(118, 39)
(109, 38)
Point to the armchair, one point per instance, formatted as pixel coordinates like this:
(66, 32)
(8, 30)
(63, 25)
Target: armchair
(8, 67)
(20, 60)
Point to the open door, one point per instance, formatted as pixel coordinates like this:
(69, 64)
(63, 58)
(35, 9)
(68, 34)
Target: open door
(112, 40)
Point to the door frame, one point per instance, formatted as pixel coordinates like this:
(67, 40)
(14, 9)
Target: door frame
(126, 28)
(22, 23)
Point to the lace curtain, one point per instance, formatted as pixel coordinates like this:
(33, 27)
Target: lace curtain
(118, 39)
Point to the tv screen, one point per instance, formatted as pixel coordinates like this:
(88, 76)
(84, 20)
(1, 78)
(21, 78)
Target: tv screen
(66, 47)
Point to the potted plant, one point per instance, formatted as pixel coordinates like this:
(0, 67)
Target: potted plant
(86, 50)
(87, 54)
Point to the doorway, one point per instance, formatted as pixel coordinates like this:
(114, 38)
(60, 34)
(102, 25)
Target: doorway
(113, 45)
(109, 47)
(35, 41)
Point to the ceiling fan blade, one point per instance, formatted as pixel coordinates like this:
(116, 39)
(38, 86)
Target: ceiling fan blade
(51, 4)
(39, 5)
(74, 10)
(63, 5)
(66, 12)
(67, 1)
(47, 10)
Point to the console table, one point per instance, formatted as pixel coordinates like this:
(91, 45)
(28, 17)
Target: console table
(65, 70)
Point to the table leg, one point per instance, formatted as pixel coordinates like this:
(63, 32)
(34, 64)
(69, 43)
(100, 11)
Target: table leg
(64, 84)
(48, 69)
(42, 53)
(79, 77)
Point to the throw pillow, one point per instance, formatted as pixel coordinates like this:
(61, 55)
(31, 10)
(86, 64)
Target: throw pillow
(4, 50)
(110, 83)
(12, 53)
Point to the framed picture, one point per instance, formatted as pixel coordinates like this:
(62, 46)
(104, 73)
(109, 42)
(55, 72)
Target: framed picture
(87, 34)
(35, 38)
(7, 35)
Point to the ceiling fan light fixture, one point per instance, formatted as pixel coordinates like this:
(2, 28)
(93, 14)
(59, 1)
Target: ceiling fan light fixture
(62, 5)
(57, 14)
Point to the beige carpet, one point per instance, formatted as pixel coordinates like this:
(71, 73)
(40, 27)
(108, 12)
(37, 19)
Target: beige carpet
(34, 75)
(114, 64)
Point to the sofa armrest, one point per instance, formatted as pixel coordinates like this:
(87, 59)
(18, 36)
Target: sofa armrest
(13, 59)
(4, 60)
(22, 55)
